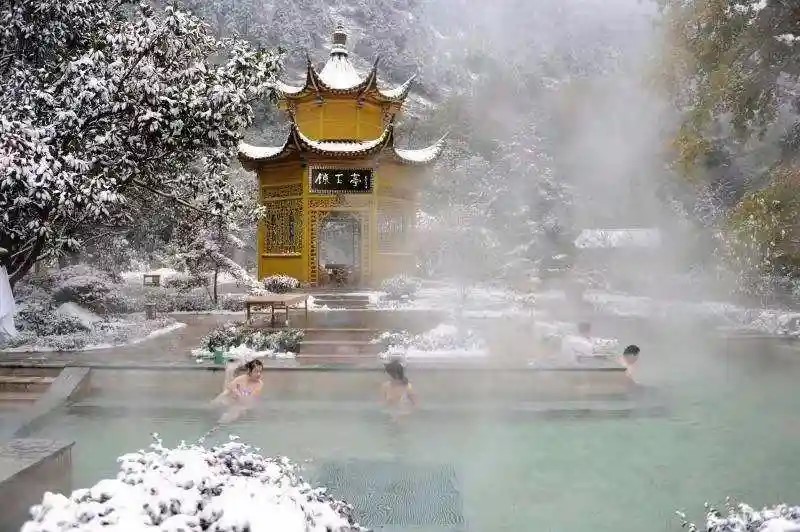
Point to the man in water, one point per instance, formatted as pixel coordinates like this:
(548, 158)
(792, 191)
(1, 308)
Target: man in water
(629, 359)
(574, 348)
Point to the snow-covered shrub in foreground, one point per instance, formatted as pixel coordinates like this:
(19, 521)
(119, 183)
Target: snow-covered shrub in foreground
(743, 518)
(280, 284)
(192, 488)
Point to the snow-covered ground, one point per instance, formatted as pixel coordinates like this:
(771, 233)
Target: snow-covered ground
(481, 301)
(723, 314)
(121, 332)
(226, 488)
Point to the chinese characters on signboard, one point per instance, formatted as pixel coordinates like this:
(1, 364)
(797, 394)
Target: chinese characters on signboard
(341, 180)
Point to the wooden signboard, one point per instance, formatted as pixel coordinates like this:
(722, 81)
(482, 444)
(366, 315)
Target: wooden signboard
(341, 180)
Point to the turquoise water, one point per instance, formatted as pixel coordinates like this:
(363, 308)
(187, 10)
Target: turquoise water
(731, 429)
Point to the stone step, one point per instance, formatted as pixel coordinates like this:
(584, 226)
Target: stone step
(24, 383)
(349, 305)
(18, 397)
(346, 347)
(8, 370)
(344, 334)
(342, 297)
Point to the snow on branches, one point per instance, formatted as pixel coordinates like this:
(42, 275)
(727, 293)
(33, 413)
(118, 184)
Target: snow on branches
(98, 103)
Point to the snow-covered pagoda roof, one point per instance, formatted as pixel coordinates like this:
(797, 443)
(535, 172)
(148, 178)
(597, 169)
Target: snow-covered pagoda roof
(618, 238)
(343, 149)
(339, 76)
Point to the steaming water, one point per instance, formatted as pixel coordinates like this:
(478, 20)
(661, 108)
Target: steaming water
(730, 430)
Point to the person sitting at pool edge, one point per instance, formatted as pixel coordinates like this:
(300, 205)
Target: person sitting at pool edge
(581, 346)
(397, 391)
(629, 358)
(240, 393)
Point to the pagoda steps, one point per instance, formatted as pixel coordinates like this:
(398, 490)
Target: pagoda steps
(342, 301)
(338, 348)
(339, 335)
(343, 359)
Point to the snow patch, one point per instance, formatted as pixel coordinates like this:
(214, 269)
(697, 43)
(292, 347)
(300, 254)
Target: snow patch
(339, 73)
(259, 152)
(86, 317)
(618, 238)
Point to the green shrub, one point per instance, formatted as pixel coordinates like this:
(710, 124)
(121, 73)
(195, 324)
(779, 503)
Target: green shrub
(184, 282)
(234, 334)
(90, 288)
(40, 318)
(234, 302)
(66, 342)
(400, 287)
(280, 284)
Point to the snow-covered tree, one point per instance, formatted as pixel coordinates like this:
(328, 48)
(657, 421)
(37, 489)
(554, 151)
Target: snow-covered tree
(101, 103)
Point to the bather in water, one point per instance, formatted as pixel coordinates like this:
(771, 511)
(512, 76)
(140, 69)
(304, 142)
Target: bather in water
(241, 392)
(398, 395)
(629, 359)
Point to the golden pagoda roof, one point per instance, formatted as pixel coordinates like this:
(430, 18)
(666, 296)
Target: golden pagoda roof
(340, 77)
(298, 143)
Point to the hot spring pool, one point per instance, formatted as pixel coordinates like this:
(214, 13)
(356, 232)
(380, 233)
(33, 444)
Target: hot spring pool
(730, 429)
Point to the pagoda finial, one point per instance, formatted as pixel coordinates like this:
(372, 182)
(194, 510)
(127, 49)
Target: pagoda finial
(339, 41)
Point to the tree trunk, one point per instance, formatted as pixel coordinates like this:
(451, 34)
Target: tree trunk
(216, 274)
(21, 265)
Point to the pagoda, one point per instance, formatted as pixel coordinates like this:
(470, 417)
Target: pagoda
(340, 198)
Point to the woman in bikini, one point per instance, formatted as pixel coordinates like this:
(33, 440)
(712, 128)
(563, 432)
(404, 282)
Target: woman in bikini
(398, 394)
(240, 392)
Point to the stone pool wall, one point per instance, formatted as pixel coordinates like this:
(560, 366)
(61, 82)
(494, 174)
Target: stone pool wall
(28, 468)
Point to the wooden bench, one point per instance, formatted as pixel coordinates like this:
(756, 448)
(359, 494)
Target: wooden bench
(273, 301)
(154, 278)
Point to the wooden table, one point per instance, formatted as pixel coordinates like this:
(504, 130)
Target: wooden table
(273, 301)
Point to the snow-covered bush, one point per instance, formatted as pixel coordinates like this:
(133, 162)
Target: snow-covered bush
(183, 282)
(89, 288)
(280, 284)
(108, 332)
(166, 301)
(234, 334)
(191, 488)
(400, 287)
(88, 87)
(39, 318)
(233, 302)
(444, 337)
(21, 338)
(393, 338)
(66, 342)
(739, 517)
(447, 337)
